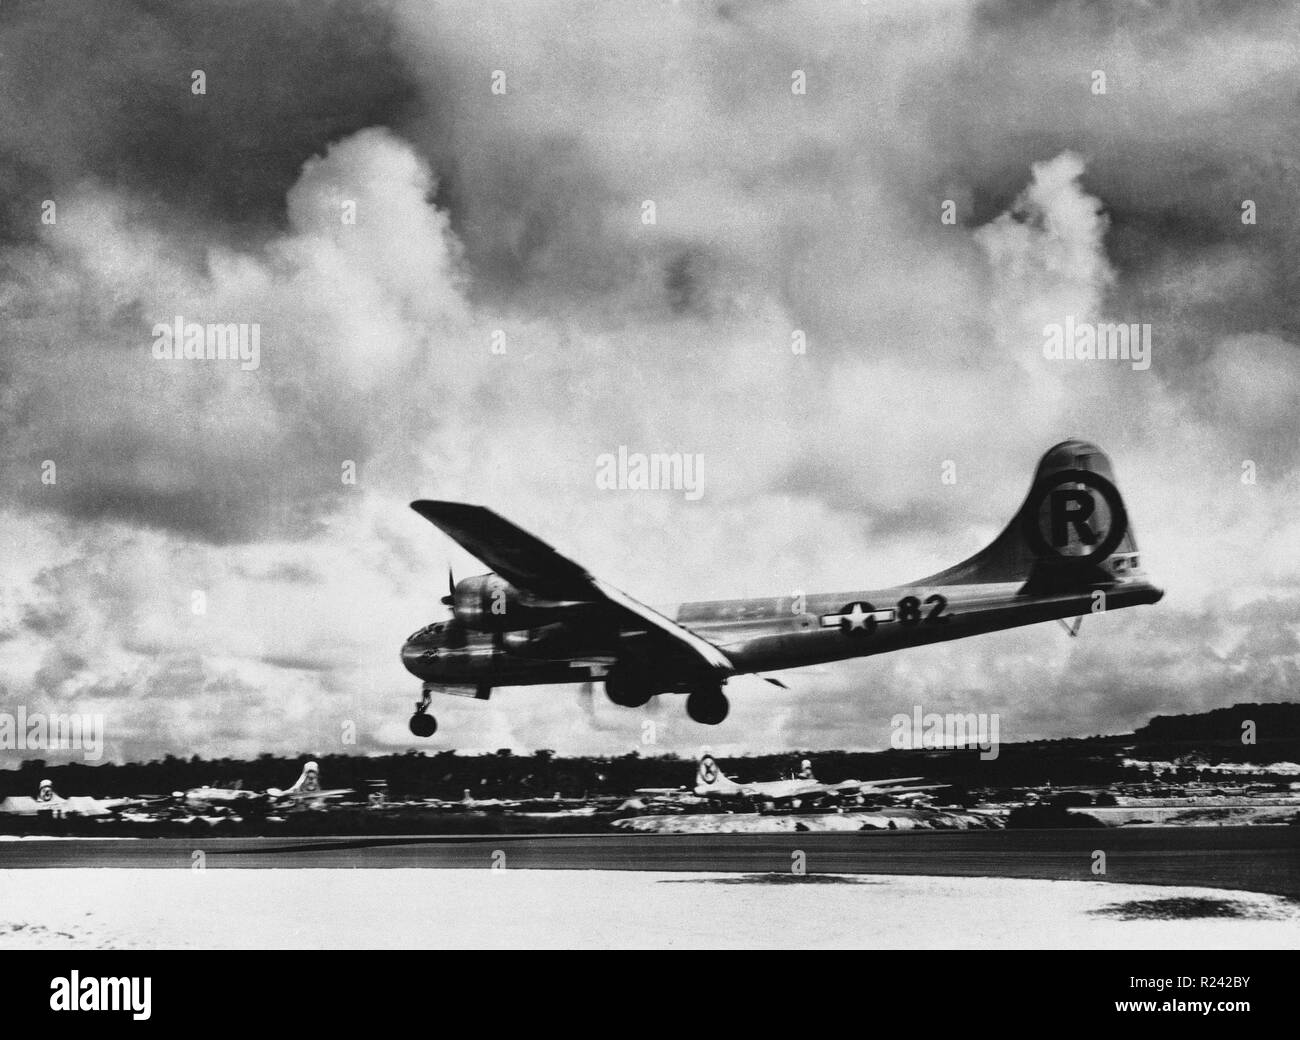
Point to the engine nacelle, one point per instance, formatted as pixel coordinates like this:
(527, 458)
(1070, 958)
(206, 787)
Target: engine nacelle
(489, 603)
(556, 641)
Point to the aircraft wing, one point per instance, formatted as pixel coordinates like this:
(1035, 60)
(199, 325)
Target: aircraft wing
(897, 792)
(815, 790)
(530, 564)
(875, 785)
(310, 795)
(780, 790)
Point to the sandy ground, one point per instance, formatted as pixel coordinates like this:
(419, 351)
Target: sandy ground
(365, 908)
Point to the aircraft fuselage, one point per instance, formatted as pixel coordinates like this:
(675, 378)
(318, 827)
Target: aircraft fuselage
(760, 635)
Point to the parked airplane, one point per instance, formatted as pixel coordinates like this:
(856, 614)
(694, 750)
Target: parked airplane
(306, 789)
(47, 801)
(468, 801)
(710, 780)
(201, 799)
(541, 618)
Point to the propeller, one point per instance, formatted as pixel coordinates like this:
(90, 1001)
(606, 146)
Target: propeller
(449, 599)
(587, 699)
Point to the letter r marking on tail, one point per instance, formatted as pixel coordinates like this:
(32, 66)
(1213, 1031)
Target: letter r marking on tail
(1063, 516)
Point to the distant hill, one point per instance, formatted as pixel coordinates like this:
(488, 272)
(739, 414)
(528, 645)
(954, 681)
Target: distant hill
(1271, 722)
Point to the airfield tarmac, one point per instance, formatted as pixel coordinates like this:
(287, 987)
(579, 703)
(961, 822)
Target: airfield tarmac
(1196, 887)
(1258, 859)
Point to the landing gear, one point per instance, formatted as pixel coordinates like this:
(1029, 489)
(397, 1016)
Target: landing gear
(422, 723)
(707, 705)
(627, 689)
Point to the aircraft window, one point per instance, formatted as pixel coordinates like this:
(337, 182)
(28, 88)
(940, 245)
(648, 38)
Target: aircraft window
(1135, 562)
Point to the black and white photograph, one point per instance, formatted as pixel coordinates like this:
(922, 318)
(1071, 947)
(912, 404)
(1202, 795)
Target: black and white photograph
(650, 475)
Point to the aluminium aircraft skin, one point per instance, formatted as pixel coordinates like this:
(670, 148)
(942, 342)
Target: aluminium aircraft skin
(540, 618)
(711, 781)
(305, 791)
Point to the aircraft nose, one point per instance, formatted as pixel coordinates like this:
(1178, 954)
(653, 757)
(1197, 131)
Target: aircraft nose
(411, 657)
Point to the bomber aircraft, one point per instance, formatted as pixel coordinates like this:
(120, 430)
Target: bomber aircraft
(305, 791)
(711, 781)
(541, 618)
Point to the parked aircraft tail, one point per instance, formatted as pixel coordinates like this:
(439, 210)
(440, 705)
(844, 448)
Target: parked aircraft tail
(709, 775)
(308, 781)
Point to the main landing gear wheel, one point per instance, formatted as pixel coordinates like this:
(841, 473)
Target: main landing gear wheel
(627, 689)
(422, 723)
(707, 705)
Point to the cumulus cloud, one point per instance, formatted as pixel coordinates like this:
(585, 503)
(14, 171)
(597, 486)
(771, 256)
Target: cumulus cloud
(347, 316)
(516, 218)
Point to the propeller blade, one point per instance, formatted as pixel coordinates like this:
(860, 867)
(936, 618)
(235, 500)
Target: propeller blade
(449, 599)
(587, 701)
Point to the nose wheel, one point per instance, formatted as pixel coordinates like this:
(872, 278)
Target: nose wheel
(422, 723)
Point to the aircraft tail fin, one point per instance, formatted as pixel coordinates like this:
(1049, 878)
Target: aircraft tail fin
(1071, 532)
(709, 775)
(308, 780)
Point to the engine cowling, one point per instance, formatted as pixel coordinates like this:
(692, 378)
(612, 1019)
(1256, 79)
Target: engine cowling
(489, 603)
(556, 641)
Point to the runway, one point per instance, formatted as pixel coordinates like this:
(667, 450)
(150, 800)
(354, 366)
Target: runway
(1256, 859)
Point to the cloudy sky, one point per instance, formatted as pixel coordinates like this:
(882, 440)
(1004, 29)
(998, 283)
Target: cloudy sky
(521, 213)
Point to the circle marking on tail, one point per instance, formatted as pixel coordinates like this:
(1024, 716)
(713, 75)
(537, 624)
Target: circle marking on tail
(1077, 510)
